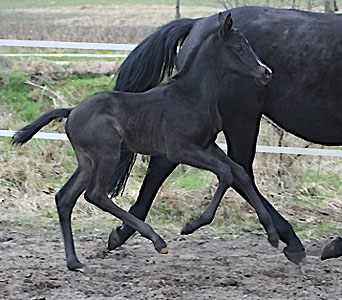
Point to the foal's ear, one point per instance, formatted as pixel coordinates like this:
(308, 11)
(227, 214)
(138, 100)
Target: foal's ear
(225, 24)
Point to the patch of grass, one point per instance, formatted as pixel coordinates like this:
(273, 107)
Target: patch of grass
(76, 88)
(319, 230)
(14, 95)
(327, 179)
(29, 102)
(190, 178)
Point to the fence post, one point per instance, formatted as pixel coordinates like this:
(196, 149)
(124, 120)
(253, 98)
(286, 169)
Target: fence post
(177, 9)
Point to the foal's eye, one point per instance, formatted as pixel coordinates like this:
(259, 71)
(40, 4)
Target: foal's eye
(238, 49)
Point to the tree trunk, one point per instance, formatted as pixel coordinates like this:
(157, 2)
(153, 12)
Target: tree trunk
(335, 6)
(178, 9)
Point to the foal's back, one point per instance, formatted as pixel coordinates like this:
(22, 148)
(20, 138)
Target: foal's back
(145, 123)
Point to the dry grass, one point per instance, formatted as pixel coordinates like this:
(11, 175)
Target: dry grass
(112, 23)
(90, 23)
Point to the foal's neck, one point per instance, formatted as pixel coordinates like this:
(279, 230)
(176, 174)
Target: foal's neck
(202, 81)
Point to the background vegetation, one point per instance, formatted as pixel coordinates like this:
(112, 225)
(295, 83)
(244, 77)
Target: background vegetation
(306, 190)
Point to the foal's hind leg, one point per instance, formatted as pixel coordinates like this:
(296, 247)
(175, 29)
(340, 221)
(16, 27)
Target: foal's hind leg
(103, 169)
(158, 170)
(65, 201)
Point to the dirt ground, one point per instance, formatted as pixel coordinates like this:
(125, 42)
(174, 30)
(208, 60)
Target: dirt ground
(32, 266)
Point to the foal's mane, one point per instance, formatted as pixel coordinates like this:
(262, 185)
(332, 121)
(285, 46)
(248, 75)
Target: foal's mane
(189, 62)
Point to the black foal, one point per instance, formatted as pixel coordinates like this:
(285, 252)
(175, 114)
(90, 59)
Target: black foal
(179, 120)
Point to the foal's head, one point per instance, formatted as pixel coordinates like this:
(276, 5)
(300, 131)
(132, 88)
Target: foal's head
(236, 53)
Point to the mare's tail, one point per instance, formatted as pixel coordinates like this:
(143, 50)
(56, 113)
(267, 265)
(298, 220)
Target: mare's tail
(25, 134)
(154, 58)
(144, 68)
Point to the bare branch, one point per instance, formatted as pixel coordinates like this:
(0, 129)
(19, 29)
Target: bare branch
(54, 96)
(225, 3)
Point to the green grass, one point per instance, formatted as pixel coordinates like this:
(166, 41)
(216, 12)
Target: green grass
(315, 231)
(14, 95)
(328, 180)
(76, 88)
(319, 188)
(190, 179)
(28, 102)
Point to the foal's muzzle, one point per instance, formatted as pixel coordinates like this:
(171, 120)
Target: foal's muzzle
(264, 74)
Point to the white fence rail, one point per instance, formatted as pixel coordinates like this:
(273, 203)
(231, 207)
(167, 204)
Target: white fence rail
(129, 47)
(67, 45)
(262, 149)
(62, 55)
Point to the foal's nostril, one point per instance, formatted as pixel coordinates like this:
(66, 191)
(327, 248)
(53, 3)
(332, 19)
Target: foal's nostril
(268, 73)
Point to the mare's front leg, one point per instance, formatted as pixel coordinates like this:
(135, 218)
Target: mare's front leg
(158, 170)
(241, 139)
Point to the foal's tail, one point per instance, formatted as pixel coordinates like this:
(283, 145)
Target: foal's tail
(25, 134)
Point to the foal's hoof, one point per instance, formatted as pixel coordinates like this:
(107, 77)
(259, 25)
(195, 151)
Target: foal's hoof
(186, 230)
(298, 257)
(333, 249)
(161, 247)
(76, 266)
(164, 250)
(114, 240)
(189, 228)
(273, 239)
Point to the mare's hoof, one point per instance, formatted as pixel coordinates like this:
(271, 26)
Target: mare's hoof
(114, 239)
(333, 249)
(298, 257)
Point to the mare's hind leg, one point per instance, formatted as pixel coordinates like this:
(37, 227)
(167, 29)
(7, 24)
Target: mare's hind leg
(215, 160)
(65, 201)
(103, 163)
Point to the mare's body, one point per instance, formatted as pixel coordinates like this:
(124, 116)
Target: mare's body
(305, 51)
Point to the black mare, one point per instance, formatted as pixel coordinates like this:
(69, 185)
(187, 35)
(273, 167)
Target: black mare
(179, 120)
(304, 50)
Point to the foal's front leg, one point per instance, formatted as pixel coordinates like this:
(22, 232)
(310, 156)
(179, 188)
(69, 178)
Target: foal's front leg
(215, 160)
